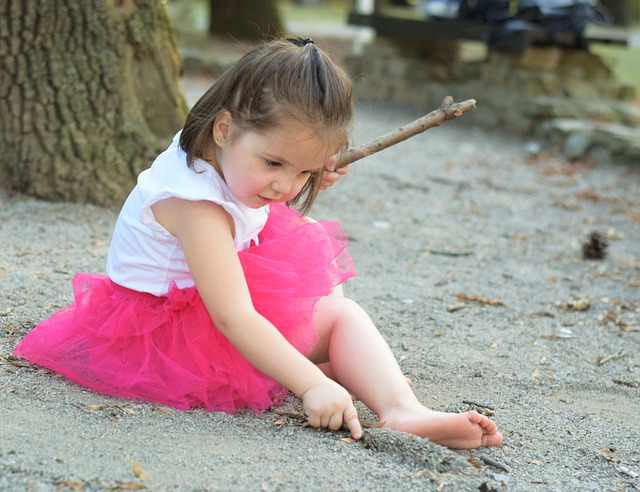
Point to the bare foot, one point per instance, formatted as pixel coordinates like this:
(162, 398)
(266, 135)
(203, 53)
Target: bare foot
(455, 430)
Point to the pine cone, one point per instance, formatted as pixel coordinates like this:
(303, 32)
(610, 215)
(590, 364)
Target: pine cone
(596, 247)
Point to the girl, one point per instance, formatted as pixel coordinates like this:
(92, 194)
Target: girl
(219, 295)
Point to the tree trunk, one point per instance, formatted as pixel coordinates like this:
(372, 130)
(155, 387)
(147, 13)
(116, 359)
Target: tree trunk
(89, 94)
(251, 20)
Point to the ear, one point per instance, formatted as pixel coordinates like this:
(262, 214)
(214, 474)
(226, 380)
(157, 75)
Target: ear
(222, 127)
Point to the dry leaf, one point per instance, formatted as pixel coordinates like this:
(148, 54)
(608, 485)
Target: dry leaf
(605, 454)
(70, 484)
(165, 409)
(581, 304)
(562, 334)
(592, 195)
(138, 470)
(629, 328)
(128, 486)
(481, 299)
(455, 307)
(474, 461)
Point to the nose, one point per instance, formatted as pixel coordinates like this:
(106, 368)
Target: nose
(283, 185)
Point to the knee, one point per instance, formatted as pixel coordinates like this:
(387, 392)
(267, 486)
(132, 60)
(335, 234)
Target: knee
(341, 305)
(348, 310)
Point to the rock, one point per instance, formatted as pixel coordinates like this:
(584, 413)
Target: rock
(577, 144)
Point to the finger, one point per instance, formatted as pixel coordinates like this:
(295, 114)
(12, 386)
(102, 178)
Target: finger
(344, 170)
(336, 422)
(351, 419)
(329, 179)
(330, 176)
(325, 421)
(314, 421)
(331, 163)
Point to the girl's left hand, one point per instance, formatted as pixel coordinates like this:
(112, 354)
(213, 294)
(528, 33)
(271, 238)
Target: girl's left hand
(331, 176)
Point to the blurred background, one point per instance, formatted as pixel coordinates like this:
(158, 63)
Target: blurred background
(196, 25)
(93, 89)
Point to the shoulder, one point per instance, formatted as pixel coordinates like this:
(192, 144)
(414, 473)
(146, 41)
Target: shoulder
(170, 175)
(180, 216)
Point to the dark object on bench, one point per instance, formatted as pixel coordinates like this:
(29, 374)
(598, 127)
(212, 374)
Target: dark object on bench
(509, 21)
(543, 22)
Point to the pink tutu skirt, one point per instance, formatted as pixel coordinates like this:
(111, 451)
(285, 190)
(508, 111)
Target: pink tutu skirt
(167, 350)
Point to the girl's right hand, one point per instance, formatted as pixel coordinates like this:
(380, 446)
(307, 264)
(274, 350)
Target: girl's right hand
(327, 404)
(331, 175)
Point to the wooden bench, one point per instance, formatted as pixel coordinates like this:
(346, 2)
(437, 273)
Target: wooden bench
(475, 31)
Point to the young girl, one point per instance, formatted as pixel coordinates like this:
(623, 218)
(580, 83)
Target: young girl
(219, 295)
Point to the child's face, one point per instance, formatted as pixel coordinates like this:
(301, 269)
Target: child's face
(261, 168)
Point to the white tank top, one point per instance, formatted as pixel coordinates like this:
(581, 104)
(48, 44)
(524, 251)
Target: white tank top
(143, 256)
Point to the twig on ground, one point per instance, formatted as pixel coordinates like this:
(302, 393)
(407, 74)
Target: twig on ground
(491, 462)
(476, 404)
(453, 254)
(289, 413)
(604, 359)
(481, 408)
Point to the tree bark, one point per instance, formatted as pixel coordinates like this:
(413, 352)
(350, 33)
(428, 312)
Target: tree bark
(89, 94)
(250, 20)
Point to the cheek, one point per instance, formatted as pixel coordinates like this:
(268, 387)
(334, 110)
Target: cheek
(248, 182)
(298, 186)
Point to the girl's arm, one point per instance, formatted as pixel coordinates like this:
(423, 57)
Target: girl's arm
(205, 232)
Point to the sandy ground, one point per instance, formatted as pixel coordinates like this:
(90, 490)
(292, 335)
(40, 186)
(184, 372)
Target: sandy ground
(469, 254)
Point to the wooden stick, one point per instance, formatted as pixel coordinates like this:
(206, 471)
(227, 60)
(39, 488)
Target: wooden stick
(448, 110)
(492, 462)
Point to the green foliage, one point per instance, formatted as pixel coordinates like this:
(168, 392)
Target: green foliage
(623, 61)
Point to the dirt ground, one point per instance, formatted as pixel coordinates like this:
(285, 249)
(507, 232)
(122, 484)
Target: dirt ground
(469, 251)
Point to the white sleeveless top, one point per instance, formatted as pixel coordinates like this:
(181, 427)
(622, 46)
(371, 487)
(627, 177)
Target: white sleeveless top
(143, 256)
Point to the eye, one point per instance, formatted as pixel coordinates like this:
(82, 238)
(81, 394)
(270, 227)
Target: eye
(310, 173)
(273, 163)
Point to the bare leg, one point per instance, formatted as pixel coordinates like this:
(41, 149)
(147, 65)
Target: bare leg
(362, 362)
(326, 369)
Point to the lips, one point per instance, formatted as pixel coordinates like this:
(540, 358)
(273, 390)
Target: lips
(264, 200)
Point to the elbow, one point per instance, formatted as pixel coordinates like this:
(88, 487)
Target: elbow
(231, 320)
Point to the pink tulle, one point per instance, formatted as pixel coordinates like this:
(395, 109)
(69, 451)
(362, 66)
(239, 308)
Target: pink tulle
(166, 349)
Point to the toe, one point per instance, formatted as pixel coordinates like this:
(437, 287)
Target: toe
(494, 439)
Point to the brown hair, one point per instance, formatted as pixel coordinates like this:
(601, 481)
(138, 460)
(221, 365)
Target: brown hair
(279, 82)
